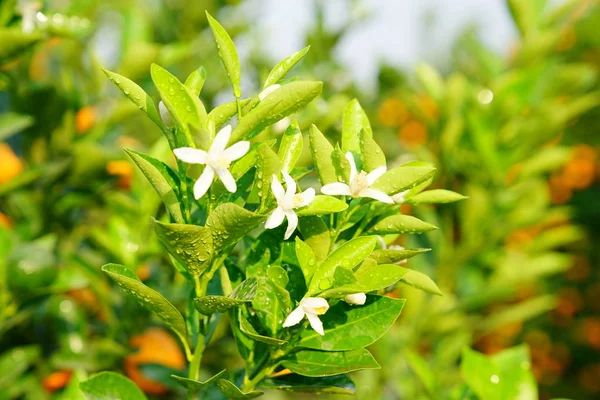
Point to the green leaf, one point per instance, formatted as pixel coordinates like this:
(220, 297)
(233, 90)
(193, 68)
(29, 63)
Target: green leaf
(435, 196)
(306, 259)
(401, 224)
(136, 94)
(354, 121)
(278, 275)
(323, 204)
(191, 245)
(321, 150)
(341, 164)
(316, 235)
(421, 281)
(272, 305)
(402, 178)
(245, 292)
(185, 108)
(373, 276)
(11, 123)
(233, 392)
(14, 42)
(290, 147)
(267, 166)
(517, 379)
(349, 327)
(278, 105)
(327, 363)
(391, 256)
(110, 386)
(224, 112)
(195, 81)
(229, 223)
(147, 298)
(419, 366)
(247, 328)
(227, 53)
(163, 179)
(337, 384)
(194, 386)
(481, 374)
(348, 255)
(284, 66)
(372, 155)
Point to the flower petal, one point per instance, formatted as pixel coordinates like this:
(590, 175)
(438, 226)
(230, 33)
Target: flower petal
(220, 142)
(227, 179)
(309, 196)
(294, 317)
(377, 195)
(399, 197)
(315, 323)
(190, 155)
(290, 184)
(292, 219)
(277, 189)
(357, 299)
(336, 189)
(275, 219)
(267, 91)
(376, 174)
(236, 151)
(165, 115)
(350, 159)
(203, 183)
(310, 304)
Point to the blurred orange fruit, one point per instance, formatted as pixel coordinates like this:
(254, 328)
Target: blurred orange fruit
(591, 332)
(428, 107)
(5, 221)
(56, 380)
(560, 190)
(579, 173)
(10, 165)
(123, 170)
(85, 119)
(155, 346)
(143, 272)
(413, 134)
(392, 112)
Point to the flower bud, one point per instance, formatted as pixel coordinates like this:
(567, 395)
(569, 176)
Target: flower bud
(356, 299)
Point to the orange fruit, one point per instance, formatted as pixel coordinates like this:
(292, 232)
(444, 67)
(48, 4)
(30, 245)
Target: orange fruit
(560, 190)
(123, 170)
(56, 380)
(392, 112)
(5, 221)
(85, 119)
(143, 272)
(155, 346)
(579, 173)
(413, 134)
(10, 165)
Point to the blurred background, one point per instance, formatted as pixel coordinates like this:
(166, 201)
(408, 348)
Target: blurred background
(501, 95)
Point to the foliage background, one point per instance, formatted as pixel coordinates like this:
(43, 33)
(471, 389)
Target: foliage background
(516, 260)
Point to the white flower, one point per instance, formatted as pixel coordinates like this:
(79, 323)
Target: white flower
(356, 299)
(267, 91)
(287, 201)
(217, 160)
(281, 126)
(359, 184)
(29, 10)
(165, 115)
(399, 197)
(311, 308)
(384, 246)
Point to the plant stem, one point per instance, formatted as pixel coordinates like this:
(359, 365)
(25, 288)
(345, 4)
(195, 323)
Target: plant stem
(225, 281)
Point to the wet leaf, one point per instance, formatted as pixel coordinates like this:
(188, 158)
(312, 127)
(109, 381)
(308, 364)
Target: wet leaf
(272, 305)
(321, 150)
(147, 298)
(191, 245)
(290, 147)
(195, 81)
(233, 392)
(401, 224)
(323, 204)
(227, 53)
(284, 66)
(421, 281)
(136, 94)
(243, 293)
(392, 256)
(402, 178)
(163, 179)
(349, 327)
(326, 363)
(224, 112)
(267, 166)
(337, 384)
(372, 155)
(229, 223)
(354, 121)
(278, 105)
(194, 386)
(316, 235)
(435, 196)
(247, 328)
